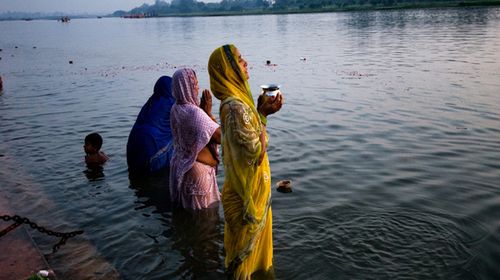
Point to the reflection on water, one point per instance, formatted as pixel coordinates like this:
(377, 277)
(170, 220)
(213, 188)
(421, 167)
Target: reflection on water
(152, 190)
(195, 234)
(390, 133)
(94, 173)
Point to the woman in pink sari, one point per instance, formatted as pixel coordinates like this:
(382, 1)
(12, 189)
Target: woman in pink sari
(196, 136)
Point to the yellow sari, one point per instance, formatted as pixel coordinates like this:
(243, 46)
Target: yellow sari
(246, 193)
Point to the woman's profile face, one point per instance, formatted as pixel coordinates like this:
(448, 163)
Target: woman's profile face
(243, 64)
(196, 86)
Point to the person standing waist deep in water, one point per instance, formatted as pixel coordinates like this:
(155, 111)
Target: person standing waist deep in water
(149, 144)
(246, 193)
(196, 135)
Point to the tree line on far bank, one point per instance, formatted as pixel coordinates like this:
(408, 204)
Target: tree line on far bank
(180, 7)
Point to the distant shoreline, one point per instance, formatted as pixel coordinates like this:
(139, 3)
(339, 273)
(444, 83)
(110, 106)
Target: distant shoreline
(351, 8)
(461, 4)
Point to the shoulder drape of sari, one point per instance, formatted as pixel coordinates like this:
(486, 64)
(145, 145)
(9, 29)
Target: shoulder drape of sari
(192, 131)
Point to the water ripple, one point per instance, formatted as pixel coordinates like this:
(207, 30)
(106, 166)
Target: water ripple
(380, 243)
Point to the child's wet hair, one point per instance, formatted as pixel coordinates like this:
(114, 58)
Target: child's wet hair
(94, 139)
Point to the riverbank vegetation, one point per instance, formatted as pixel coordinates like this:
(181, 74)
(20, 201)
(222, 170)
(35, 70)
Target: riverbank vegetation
(239, 7)
(162, 8)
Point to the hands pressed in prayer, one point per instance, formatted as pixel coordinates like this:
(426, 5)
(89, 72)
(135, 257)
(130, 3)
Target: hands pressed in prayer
(206, 103)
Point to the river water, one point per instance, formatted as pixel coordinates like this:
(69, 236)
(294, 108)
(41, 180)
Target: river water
(390, 134)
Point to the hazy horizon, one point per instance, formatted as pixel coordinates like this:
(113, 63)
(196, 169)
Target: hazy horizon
(73, 6)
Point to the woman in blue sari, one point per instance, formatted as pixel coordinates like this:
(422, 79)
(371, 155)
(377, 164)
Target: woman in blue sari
(149, 146)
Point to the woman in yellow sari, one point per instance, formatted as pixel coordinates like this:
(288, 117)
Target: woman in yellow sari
(246, 193)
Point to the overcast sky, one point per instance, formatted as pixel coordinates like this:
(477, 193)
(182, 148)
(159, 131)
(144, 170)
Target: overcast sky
(73, 6)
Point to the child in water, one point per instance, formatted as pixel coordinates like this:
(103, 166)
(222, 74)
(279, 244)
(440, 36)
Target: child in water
(94, 155)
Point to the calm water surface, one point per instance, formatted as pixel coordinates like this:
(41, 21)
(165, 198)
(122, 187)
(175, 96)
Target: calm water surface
(390, 134)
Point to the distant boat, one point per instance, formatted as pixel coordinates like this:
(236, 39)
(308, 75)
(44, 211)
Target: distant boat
(65, 19)
(28, 19)
(99, 17)
(135, 16)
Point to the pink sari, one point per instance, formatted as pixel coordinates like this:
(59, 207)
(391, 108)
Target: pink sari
(192, 184)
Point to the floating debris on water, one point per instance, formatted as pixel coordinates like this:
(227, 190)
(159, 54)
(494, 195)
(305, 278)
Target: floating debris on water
(268, 63)
(284, 186)
(353, 74)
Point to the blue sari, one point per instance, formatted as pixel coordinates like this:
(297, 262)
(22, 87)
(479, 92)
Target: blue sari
(149, 146)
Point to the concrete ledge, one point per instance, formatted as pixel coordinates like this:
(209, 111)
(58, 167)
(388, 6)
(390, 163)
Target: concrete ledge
(20, 257)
